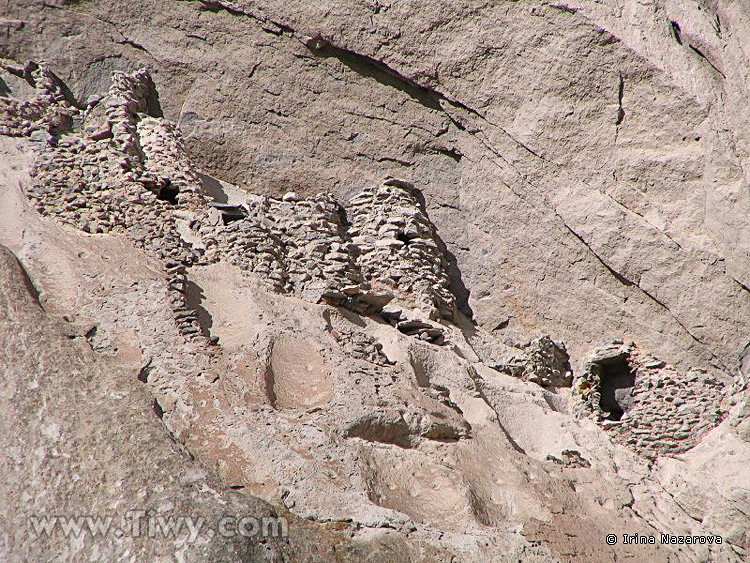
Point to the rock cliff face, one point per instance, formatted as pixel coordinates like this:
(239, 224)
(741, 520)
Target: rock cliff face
(452, 281)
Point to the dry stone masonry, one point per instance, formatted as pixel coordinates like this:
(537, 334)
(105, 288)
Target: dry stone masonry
(45, 111)
(542, 361)
(120, 168)
(379, 247)
(295, 245)
(399, 247)
(645, 403)
(124, 173)
(123, 169)
(166, 160)
(304, 344)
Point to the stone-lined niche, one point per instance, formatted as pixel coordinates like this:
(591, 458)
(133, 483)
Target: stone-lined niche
(616, 383)
(608, 382)
(645, 403)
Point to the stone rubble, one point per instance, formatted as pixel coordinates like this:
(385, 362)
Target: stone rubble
(544, 362)
(360, 346)
(570, 458)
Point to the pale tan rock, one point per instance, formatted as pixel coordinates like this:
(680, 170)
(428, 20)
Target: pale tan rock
(580, 170)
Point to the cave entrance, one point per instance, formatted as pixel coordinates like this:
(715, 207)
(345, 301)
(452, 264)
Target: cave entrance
(167, 192)
(616, 387)
(403, 238)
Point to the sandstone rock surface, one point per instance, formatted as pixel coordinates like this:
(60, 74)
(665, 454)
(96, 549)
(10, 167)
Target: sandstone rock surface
(436, 281)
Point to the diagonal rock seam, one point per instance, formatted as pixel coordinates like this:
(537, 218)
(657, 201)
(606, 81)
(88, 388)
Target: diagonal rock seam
(426, 95)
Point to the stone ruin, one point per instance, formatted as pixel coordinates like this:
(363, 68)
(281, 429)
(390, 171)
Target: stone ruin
(116, 166)
(645, 403)
(377, 247)
(398, 246)
(121, 168)
(542, 361)
(46, 110)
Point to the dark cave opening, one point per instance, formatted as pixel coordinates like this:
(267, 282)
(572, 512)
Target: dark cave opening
(616, 387)
(403, 238)
(167, 192)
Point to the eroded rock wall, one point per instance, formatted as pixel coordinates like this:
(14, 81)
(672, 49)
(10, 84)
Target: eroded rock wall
(558, 170)
(546, 128)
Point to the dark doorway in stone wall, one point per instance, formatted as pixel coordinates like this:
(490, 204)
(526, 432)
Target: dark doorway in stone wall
(167, 192)
(403, 238)
(616, 387)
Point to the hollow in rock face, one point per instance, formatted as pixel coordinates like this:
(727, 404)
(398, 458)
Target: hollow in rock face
(617, 381)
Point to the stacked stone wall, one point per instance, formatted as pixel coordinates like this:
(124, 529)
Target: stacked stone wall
(667, 411)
